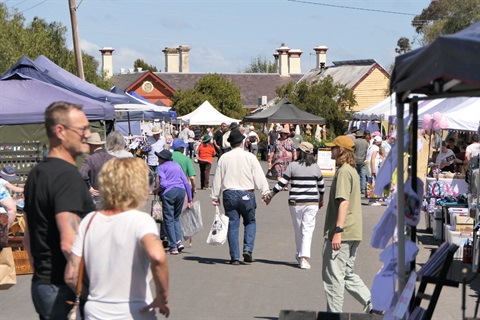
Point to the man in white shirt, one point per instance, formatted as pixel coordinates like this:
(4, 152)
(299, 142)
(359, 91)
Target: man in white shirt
(473, 149)
(157, 142)
(238, 173)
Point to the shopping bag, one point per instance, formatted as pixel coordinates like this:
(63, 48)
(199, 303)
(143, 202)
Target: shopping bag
(191, 221)
(8, 277)
(156, 210)
(370, 187)
(218, 231)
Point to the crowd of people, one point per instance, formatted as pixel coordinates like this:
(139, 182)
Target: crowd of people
(77, 218)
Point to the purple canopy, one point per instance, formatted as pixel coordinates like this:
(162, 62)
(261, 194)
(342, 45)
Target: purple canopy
(24, 100)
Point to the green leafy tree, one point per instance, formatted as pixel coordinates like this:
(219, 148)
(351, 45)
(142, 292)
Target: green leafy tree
(139, 63)
(260, 65)
(218, 90)
(39, 37)
(445, 17)
(323, 98)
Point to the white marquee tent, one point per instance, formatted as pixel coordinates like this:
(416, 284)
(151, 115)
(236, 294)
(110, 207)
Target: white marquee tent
(206, 115)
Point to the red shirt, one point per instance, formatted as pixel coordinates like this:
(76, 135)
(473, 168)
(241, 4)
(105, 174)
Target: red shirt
(206, 151)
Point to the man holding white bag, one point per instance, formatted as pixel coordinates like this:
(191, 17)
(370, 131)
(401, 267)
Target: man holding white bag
(238, 173)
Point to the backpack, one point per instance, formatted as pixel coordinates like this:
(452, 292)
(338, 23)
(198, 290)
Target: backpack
(252, 139)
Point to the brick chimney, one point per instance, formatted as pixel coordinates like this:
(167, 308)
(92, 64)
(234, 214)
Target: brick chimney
(275, 56)
(283, 60)
(171, 59)
(107, 62)
(294, 61)
(321, 52)
(184, 66)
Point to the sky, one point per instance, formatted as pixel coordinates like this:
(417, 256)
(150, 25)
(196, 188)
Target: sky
(225, 35)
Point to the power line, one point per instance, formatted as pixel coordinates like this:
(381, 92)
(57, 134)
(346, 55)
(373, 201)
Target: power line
(352, 8)
(33, 6)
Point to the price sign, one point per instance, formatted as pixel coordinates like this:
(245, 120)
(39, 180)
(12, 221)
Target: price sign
(326, 164)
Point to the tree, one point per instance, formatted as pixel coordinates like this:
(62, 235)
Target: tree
(323, 98)
(260, 65)
(218, 90)
(445, 17)
(403, 45)
(139, 63)
(41, 38)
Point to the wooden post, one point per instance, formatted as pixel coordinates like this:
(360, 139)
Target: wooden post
(76, 43)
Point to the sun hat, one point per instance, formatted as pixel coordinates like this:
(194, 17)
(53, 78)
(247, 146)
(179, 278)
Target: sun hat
(377, 139)
(95, 139)
(393, 134)
(235, 137)
(285, 130)
(306, 147)
(376, 133)
(233, 125)
(206, 138)
(342, 141)
(178, 143)
(156, 130)
(359, 134)
(8, 173)
(164, 154)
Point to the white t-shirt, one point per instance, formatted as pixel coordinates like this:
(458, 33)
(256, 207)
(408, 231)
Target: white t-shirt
(253, 134)
(3, 182)
(442, 157)
(117, 264)
(157, 146)
(473, 149)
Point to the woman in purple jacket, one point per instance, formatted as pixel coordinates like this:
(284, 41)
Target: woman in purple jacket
(173, 185)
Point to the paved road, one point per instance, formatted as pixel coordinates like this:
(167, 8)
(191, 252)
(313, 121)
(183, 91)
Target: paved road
(204, 286)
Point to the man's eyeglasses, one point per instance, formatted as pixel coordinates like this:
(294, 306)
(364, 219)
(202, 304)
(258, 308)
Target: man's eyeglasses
(74, 129)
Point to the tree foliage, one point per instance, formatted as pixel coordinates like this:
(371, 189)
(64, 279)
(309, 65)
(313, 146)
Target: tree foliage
(445, 17)
(139, 63)
(18, 39)
(218, 90)
(260, 65)
(323, 98)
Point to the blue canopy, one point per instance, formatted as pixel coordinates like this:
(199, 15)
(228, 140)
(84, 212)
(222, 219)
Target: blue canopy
(45, 70)
(23, 100)
(449, 66)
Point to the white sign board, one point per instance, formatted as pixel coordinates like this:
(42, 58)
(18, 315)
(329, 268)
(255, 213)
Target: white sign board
(326, 164)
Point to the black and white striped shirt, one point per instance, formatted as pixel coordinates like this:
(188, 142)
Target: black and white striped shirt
(306, 183)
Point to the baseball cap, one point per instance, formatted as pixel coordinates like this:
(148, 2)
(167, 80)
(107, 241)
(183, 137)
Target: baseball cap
(342, 141)
(306, 147)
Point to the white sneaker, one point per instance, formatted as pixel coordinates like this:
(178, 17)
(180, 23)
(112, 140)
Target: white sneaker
(375, 204)
(304, 264)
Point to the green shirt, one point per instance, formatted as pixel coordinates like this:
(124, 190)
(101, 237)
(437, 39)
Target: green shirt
(345, 185)
(184, 162)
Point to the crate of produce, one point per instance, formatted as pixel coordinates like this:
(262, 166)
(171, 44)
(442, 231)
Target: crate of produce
(22, 263)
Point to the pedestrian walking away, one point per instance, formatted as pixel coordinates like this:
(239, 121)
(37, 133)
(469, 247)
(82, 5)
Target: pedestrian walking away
(343, 231)
(56, 198)
(237, 174)
(305, 199)
(206, 152)
(122, 235)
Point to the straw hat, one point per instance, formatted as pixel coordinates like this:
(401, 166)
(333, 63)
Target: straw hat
(156, 130)
(94, 139)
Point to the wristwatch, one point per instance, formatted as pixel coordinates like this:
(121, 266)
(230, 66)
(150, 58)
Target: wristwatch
(338, 229)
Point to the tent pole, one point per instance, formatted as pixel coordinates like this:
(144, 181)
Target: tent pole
(400, 197)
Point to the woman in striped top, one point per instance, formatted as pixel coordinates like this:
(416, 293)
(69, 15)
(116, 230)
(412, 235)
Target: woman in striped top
(305, 199)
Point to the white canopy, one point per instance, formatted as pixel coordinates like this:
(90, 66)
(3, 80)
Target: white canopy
(206, 115)
(379, 111)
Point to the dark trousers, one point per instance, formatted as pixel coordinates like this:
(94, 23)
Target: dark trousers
(191, 149)
(205, 167)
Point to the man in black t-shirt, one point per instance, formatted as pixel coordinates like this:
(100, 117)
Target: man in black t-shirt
(56, 198)
(218, 139)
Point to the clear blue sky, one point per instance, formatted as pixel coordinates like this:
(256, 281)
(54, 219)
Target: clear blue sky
(225, 35)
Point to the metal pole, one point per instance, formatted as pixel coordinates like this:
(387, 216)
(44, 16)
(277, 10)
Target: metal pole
(400, 197)
(76, 42)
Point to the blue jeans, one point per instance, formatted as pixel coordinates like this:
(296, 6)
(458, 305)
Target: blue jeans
(362, 172)
(50, 300)
(172, 203)
(240, 203)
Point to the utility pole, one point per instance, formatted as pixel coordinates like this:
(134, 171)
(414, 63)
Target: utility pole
(76, 42)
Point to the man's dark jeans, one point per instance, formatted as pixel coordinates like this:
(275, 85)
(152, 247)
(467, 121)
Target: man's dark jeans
(362, 172)
(50, 300)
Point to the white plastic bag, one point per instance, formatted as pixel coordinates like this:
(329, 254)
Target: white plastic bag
(191, 221)
(218, 231)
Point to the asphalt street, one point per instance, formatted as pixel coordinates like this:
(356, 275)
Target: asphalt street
(204, 286)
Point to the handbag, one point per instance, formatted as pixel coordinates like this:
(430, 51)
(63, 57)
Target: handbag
(191, 221)
(156, 210)
(8, 277)
(218, 231)
(74, 313)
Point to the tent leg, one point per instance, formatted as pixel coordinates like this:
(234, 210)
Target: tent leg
(400, 197)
